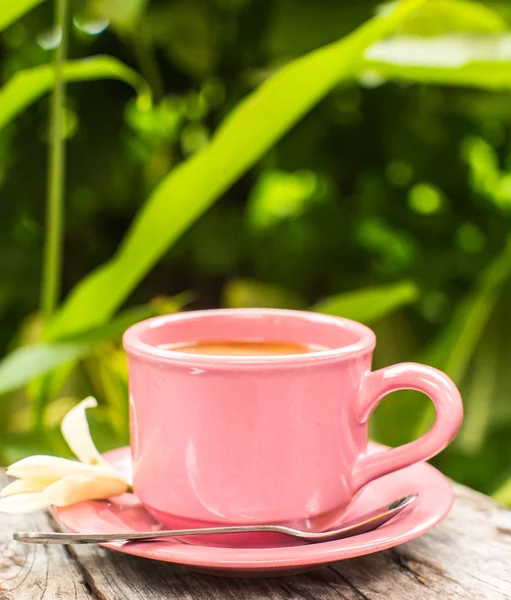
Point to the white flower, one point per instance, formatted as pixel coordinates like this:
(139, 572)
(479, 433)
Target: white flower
(46, 480)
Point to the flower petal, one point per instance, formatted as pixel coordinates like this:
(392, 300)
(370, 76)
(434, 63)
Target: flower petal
(66, 491)
(75, 430)
(77, 488)
(23, 503)
(54, 468)
(24, 486)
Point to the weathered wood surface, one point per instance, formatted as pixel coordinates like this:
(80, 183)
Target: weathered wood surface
(468, 556)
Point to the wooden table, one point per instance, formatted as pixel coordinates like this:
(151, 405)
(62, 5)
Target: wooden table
(466, 556)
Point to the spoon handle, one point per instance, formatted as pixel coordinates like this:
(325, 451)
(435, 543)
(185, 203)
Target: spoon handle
(363, 524)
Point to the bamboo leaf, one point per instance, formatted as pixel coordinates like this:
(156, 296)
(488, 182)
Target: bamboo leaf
(454, 60)
(124, 15)
(12, 10)
(25, 87)
(441, 16)
(29, 362)
(244, 137)
(370, 304)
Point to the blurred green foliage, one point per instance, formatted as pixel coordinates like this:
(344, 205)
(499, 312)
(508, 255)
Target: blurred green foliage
(375, 184)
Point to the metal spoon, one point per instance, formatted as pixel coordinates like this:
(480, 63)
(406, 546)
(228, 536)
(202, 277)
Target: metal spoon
(367, 522)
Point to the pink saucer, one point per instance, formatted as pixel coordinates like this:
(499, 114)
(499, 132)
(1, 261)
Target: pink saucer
(127, 514)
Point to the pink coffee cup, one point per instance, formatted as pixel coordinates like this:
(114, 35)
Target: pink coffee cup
(265, 439)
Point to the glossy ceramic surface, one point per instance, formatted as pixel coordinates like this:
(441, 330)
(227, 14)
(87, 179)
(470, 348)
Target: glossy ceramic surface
(126, 513)
(265, 439)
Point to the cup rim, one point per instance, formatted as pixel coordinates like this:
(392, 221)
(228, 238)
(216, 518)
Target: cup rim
(134, 344)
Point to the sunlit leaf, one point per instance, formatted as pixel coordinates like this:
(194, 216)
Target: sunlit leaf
(245, 135)
(486, 177)
(503, 494)
(279, 195)
(370, 304)
(123, 14)
(483, 163)
(39, 389)
(481, 395)
(296, 27)
(440, 16)
(28, 362)
(12, 10)
(25, 87)
(42, 389)
(455, 60)
(106, 369)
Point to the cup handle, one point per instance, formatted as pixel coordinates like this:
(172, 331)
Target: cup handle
(412, 376)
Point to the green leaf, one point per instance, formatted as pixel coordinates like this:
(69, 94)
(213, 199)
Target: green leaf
(281, 195)
(455, 60)
(25, 87)
(483, 163)
(107, 371)
(28, 362)
(12, 10)
(503, 494)
(370, 304)
(42, 389)
(453, 350)
(192, 187)
(297, 27)
(441, 16)
(188, 31)
(481, 395)
(19, 444)
(123, 14)
(246, 293)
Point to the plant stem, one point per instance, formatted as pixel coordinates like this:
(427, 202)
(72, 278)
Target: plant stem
(52, 264)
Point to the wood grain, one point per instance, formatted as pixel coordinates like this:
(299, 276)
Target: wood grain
(468, 556)
(36, 572)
